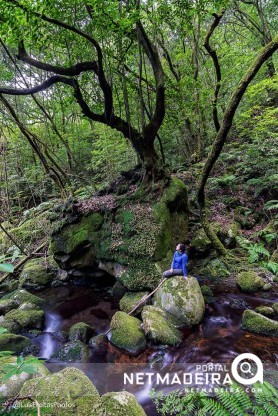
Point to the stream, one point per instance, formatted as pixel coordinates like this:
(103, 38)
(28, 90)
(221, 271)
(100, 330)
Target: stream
(219, 338)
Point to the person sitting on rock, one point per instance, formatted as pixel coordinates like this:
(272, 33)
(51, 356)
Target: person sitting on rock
(178, 266)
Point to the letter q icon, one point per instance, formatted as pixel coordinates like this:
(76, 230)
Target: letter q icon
(246, 368)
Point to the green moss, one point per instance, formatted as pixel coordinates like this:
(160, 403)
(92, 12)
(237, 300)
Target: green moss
(175, 195)
(69, 392)
(7, 305)
(36, 274)
(127, 334)
(201, 243)
(265, 310)
(214, 268)
(157, 328)
(73, 351)
(21, 296)
(259, 324)
(250, 281)
(275, 307)
(14, 343)
(129, 300)
(81, 331)
(122, 403)
(19, 320)
(140, 275)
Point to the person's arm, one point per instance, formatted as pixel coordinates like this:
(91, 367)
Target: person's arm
(184, 262)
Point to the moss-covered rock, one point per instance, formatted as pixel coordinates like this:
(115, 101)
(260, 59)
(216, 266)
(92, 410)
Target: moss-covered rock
(6, 305)
(37, 273)
(81, 331)
(214, 268)
(121, 403)
(12, 386)
(255, 322)
(275, 307)
(99, 342)
(182, 298)
(73, 351)
(21, 320)
(265, 310)
(23, 296)
(200, 243)
(69, 393)
(13, 343)
(250, 281)
(127, 334)
(129, 300)
(157, 328)
(227, 233)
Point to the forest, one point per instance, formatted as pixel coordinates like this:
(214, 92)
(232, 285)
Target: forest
(128, 127)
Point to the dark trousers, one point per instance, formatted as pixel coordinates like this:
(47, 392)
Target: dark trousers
(175, 272)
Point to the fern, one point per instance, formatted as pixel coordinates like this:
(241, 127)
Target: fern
(230, 403)
(212, 407)
(271, 205)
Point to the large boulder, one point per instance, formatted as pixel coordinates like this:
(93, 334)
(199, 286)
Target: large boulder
(14, 343)
(67, 393)
(255, 322)
(130, 300)
(130, 241)
(182, 298)
(121, 403)
(38, 273)
(201, 245)
(7, 305)
(13, 385)
(157, 328)
(73, 351)
(127, 334)
(213, 268)
(250, 281)
(19, 320)
(81, 331)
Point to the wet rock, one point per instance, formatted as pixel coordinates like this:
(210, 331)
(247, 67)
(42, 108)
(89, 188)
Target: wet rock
(118, 290)
(99, 342)
(255, 322)
(12, 386)
(69, 386)
(81, 331)
(127, 334)
(250, 281)
(7, 305)
(121, 403)
(22, 320)
(157, 328)
(23, 296)
(13, 343)
(131, 299)
(265, 310)
(73, 351)
(182, 298)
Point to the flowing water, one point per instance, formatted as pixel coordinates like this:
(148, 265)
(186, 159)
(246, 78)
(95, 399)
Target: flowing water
(219, 338)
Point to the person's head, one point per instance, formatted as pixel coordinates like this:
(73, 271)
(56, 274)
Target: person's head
(181, 248)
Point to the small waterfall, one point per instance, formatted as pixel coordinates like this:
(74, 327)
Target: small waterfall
(48, 343)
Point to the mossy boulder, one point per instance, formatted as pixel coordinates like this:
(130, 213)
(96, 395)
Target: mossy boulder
(69, 393)
(99, 342)
(255, 322)
(6, 305)
(265, 310)
(81, 331)
(23, 320)
(157, 328)
(250, 281)
(121, 403)
(182, 298)
(13, 342)
(73, 351)
(23, 296)
(127, 334)
(129, 300)
(201, 244)
(227, 233)
(135, 237)
(275, 307)
(12, 386)
(37, 274)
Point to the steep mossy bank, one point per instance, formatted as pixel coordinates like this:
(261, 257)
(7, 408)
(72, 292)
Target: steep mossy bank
(132, 238)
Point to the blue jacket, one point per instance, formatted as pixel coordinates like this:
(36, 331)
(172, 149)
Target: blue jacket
(179, 262)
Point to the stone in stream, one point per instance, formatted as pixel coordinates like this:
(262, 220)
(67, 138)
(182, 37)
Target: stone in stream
(38, 273)
(275, 307)
(13, 342)
(182, 298)
(265, 310)
(67, 393)
(157, 328)
(18, 320)
(23, 296)
(81, 331)
(73, 351)
(250, 281)
(121, 403)
(7, 305)
(255, 322)
(127, 334)
(129, 300)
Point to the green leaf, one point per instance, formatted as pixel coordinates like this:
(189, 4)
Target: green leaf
(3, 330)
(19, 360)
(29, 368)
(9, 374)
(6, 268)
